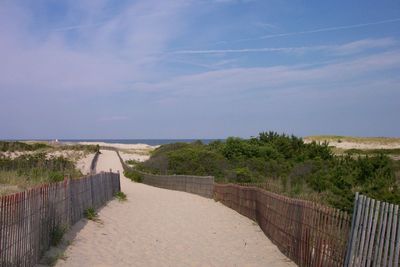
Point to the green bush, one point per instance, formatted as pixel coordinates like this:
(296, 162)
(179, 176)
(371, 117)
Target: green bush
(121, 196)
(37, 168)
(131, 162)
(55, 176)
(134, 176)
(243, 175)
(90, 214)
(296, 168)
(12, 146)
(56, 235)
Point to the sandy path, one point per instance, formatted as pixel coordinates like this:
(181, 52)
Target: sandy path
(158, 227)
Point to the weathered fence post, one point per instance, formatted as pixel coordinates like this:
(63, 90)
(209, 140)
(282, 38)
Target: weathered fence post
(351, 240)
(119, 181)
(374, 239)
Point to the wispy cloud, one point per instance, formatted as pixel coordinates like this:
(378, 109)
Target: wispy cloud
(247, 50)
(326, 29)
(365, 44)
(72, 68)
(97, 57)
(231, 81)
(347, 48)
(113, 118)
(77, 27)
(266, 25)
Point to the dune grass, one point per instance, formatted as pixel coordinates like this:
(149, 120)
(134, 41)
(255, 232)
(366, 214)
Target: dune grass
(90, 214)
(121, 196)
(56, 236)
(26, 171)
(354, 139)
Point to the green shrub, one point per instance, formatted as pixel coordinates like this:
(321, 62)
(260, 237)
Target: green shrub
(243, 175)
(90, 214)
(56, 176)
(134, 176)
(37, 168)
(121, 196)
(131, 162)
(296, 168)
(12, 146)
(56, 235)
(79, 147)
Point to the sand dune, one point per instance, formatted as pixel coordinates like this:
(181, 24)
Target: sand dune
(158, 227)
(84, 163)
(134, 156)
(121, 146)
(357, 142)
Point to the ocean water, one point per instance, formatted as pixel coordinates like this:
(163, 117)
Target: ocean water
(151, 142)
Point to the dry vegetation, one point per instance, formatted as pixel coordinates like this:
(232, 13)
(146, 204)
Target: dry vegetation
(25, 164)
(349, 142)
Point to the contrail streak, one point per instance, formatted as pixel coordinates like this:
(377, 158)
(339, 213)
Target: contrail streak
(247, 50)
(329, 29)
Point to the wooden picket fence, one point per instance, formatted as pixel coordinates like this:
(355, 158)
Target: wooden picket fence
(375, 234)
(307, 233)
(30, 219)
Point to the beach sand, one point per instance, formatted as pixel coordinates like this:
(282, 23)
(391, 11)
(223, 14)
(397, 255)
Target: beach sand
(358, 143)
(136, 152)
(121, 146)
(84, 163)
(159, 227)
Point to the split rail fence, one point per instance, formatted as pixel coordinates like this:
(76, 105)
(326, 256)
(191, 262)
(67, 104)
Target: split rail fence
(30, 220)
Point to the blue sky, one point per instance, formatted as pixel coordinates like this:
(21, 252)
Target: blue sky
(198, 68)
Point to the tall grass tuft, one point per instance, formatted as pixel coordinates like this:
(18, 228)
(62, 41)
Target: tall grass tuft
(90, 214)
(121, 196)
(57, 234)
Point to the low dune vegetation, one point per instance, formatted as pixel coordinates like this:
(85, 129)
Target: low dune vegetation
(12, 146)
(18, 146)
(23, 165)
(284, 164)
(354, 139)
(28, 170)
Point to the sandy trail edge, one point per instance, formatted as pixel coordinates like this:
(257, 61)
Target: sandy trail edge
(158, 227)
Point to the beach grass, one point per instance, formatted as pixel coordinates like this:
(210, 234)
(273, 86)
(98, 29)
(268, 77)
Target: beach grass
(121, 196)
(354, 139)
(90, 214)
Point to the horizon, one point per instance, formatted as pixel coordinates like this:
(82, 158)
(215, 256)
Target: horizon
(192, 138)
(179, 69)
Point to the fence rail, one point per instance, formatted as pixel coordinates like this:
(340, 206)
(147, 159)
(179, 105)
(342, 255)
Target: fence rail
(308, 233)
(375, 234)
(29, 219)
